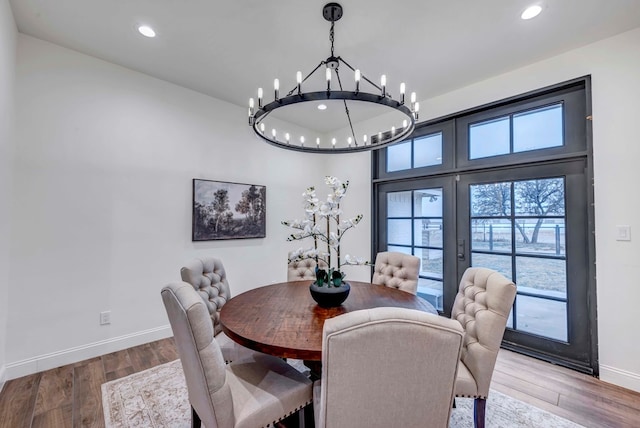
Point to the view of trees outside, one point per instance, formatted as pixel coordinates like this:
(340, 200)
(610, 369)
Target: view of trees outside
(228, 210)
(536, 209)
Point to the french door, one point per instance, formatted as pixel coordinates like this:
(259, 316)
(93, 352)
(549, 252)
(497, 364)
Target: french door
(529, 224)
(505, 186)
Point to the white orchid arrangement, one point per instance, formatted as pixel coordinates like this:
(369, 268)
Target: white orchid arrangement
(317, 225)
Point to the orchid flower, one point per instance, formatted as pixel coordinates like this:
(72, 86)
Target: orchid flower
(317, 225)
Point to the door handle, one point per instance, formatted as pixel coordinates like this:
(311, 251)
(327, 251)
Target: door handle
(461, 249)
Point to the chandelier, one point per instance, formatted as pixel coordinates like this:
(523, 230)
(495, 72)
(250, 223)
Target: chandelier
(400, 116)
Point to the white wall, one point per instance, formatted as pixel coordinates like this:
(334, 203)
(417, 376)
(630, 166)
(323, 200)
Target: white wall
(614, 65)
(102, 202)
(8, 36)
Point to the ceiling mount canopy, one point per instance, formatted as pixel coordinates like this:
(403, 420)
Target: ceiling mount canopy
(384, 120)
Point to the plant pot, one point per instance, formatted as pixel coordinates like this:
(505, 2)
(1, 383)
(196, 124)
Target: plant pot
(329, 297)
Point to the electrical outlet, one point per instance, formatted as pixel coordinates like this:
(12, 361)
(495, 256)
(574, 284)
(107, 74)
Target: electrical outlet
(105, 317)
(623, 233)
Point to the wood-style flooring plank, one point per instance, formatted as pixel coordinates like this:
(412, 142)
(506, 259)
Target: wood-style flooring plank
(18, 400)
(54, 401)
(87, 395)
(143, 357)
(541, 404)
(531, 389)
(117, 364)
(166, 350)
(54, 418)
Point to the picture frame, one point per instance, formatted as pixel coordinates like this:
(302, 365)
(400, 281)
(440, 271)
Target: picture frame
(227, 210)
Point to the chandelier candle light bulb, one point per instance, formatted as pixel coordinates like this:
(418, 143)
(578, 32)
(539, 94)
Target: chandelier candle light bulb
(402, 90)
(299, 80)
(357, 77)
(383, 83)
(328, 76)
(276, 88)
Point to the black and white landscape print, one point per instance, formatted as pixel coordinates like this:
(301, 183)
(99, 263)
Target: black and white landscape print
(224, 210)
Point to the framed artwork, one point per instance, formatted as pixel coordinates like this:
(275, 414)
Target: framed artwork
(223, 210)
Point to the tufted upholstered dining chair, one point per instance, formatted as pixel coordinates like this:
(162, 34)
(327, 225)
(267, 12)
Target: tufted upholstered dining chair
(397, 270)
(256, 392)
(482, 307)
(299, 270)
(385, 367)
(209, 279)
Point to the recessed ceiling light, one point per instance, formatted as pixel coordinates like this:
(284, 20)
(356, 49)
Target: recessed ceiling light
(146, 31)
(322, 106)
(531, 12)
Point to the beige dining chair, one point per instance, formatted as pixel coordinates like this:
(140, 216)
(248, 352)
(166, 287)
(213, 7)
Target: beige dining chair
(397, 270)
(299, 270)
(255, 392)
(387, 367)
(482, 307)
(209, 278)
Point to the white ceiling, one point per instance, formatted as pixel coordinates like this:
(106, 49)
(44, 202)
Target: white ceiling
(229, 48)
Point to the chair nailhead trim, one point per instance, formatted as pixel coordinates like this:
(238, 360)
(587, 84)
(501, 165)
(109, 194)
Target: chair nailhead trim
(290, 413)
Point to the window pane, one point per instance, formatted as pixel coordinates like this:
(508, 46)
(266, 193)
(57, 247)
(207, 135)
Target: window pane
(430, 262)
(538, 129)
(399, 204)
(397, 249)
(399, 232)
(427, 150)
(491, 235)
(543, 317)
(431, 291)
(539, 197)
(491, 200)
(428, 203)
(540, 236)
(427, 232)
(490, 138)
(545, 277)
(399, 157)
(510, 319)
(498, 263)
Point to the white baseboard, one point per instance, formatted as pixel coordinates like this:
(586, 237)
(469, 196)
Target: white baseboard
(73, 355)
(3, 372)
(620, 377)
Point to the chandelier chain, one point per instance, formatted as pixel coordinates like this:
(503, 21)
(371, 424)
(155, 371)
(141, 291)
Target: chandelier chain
(331, 37)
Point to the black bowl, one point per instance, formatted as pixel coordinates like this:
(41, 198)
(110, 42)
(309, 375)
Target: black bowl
(329, 297)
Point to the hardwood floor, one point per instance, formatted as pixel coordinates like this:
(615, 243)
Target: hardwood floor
(70, 396)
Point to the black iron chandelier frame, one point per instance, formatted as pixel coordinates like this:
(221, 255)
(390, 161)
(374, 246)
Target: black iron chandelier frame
(333, 12)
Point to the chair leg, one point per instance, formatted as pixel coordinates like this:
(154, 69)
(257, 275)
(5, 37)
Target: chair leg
(195, 419)
(479, 407)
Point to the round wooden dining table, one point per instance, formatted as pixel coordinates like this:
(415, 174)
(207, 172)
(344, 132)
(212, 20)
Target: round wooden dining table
(283, 320)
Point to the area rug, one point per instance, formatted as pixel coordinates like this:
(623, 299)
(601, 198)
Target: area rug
(157, 398)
